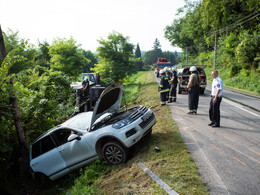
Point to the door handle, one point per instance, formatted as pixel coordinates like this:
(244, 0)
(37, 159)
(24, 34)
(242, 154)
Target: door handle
(35, 164)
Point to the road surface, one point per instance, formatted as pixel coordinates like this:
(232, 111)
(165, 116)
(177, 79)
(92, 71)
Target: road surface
(228, 157)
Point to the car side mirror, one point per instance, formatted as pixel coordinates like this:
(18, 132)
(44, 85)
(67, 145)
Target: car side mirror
(73, 137)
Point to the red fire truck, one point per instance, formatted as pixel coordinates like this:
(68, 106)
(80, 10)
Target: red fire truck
(160, 64)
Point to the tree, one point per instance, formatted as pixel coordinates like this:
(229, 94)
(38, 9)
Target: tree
(7, 64)
(138, 56)
(43, 57)
(116, 57)
(170, 57)
(92, 60)
(67, 57)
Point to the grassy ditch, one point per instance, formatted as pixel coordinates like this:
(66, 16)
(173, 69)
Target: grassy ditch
(173, 164)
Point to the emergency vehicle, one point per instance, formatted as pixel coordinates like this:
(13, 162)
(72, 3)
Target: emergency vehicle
(161, 63)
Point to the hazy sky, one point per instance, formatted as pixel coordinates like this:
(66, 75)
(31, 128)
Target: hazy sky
(89, 20)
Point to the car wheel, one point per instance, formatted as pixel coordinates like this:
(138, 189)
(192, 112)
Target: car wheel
(114, 153)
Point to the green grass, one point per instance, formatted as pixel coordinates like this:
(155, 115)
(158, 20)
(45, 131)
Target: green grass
(245, 81)
(132, 87)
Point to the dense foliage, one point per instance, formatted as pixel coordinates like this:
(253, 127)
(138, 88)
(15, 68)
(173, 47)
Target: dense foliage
(236, 26)
(41, 79)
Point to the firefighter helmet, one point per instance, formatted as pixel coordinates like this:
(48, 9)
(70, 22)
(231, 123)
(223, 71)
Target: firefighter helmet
(162, 71)
(193, 69)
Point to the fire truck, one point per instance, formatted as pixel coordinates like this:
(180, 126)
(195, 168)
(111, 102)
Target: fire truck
(160, 64)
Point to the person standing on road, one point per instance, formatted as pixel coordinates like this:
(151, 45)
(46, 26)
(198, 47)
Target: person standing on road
(194, 90)
(216, 98)
(174, 82)
(163, 87)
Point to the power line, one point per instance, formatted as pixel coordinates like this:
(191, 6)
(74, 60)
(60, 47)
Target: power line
(239, 22)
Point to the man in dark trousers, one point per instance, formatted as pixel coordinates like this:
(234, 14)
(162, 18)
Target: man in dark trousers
(216, 98)
(174, 82)
(163, 87)
(194, 90)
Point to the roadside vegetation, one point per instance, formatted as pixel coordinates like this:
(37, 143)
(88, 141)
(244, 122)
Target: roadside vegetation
(246, 81)
(232, 27)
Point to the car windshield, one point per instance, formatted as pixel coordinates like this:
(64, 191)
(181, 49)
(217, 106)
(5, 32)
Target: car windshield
(90, 76)
(80, 122)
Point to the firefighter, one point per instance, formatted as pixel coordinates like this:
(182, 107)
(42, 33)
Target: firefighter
(163, 87)
(194, 90)
(169, 75)
(85, 87)
(173, 82)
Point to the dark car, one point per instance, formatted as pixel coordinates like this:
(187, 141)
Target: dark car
(183, 74)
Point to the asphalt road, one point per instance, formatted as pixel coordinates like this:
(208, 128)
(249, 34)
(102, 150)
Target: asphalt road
(228, 157)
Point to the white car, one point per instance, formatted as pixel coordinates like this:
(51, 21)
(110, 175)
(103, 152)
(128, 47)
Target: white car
(106, 133)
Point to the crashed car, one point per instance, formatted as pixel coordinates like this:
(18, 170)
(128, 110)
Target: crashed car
(106, 132)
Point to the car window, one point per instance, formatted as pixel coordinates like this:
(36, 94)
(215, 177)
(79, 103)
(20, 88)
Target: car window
(43, 145)
(61, 136)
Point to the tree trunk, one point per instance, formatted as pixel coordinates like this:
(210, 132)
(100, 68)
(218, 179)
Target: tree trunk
(16, 114)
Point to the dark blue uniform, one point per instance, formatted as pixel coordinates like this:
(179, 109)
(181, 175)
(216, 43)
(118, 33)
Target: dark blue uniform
(172, 94)
(164, 89)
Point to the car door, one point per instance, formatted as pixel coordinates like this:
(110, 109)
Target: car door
(45, 157)
(73, 152)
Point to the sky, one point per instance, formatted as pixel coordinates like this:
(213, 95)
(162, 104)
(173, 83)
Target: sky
(90, 20)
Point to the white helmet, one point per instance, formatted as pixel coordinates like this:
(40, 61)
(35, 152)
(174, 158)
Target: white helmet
(85, 78)
(166, 69)
(162, 71)
(193, 69)
(76, 109)
(173, 69)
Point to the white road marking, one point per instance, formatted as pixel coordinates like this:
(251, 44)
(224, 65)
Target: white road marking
(167, 188)
(240, 107)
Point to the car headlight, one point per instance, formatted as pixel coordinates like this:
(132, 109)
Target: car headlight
(122, 123)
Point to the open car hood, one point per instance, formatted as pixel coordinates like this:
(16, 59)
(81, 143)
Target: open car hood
(109, 101)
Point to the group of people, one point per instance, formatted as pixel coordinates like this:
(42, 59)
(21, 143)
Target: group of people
(168, 86)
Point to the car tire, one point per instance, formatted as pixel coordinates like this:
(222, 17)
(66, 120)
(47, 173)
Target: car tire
(114, 153)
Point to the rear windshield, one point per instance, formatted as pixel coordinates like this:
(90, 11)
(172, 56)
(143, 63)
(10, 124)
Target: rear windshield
(187, 72)
(162, 65)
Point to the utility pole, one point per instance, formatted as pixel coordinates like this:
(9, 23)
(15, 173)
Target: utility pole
(215, 55)
(186, 55)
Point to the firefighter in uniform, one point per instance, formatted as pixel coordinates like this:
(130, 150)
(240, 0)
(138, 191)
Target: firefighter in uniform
(173, 82)
(169, 75)
(163, 87)
(194, 90)
(216, 97)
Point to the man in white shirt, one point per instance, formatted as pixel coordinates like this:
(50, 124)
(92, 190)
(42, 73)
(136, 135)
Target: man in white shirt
(216, 97)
